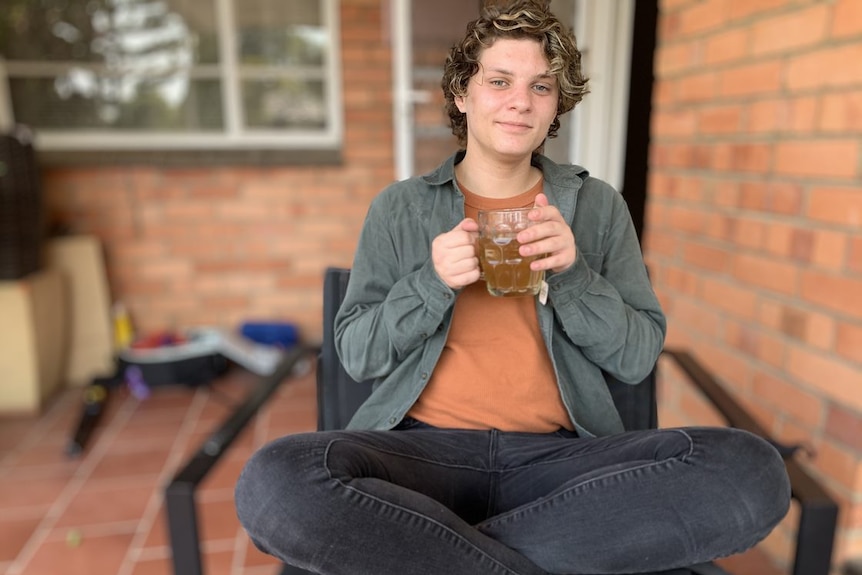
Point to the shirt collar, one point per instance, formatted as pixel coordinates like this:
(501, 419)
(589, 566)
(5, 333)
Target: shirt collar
(554, 174)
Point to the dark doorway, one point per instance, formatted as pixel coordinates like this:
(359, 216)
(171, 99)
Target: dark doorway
(636, 169)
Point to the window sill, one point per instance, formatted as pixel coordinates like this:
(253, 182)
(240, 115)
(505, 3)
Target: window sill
(189, 158)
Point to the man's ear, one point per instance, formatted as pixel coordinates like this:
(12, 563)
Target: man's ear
(459, 101)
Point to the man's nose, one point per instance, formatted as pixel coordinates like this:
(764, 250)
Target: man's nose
(521, 97)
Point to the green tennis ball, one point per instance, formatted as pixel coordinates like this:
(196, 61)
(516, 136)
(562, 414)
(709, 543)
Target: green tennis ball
(73, 538)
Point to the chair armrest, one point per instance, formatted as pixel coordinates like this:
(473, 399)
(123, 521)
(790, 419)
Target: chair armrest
(819, 512)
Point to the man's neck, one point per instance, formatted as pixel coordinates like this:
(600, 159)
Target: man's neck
(495, 179)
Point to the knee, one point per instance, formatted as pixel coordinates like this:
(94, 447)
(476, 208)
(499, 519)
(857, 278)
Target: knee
(256, 489)
(757, 479)
(272, 492)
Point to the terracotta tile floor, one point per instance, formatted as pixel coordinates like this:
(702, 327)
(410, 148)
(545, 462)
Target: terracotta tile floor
(102, 513)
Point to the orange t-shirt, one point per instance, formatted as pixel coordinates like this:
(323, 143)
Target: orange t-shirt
(494, 371)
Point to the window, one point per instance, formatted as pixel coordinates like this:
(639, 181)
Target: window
(172, 74)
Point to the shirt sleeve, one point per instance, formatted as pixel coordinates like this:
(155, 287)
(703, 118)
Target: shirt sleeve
(395, 300)
(604, 302)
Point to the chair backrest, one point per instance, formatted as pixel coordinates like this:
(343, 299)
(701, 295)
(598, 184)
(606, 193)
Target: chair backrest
(339, 396)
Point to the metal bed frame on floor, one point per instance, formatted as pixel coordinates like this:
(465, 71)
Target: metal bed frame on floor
(179, 494)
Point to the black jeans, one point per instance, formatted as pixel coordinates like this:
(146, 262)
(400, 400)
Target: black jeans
(428, 501)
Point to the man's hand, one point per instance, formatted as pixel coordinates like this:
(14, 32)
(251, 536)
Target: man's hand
(454, 255)
(550, 235)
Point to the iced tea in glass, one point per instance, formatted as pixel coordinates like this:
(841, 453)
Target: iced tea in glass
(506, 272)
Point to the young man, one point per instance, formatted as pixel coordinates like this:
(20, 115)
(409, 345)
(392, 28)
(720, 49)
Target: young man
(491, 444)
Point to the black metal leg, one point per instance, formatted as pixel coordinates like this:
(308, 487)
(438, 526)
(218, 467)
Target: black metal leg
(815, 536)
(183, 528)
(180, 493)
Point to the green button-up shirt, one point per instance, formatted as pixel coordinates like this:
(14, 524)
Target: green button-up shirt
(600, 314)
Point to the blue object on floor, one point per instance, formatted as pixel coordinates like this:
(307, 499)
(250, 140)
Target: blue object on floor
(279, 334)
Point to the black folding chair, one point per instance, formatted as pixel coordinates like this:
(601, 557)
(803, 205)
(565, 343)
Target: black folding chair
(339, 396)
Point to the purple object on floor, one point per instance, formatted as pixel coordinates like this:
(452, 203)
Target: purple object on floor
(135, 381)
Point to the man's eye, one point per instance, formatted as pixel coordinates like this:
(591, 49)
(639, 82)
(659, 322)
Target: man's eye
(498, 82)
(542, 88)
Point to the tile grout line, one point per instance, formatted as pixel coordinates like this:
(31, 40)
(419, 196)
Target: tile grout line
(37, 433)
(151, 512)
(78, 479)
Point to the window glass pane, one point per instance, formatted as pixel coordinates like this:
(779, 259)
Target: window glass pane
(284, 103)
(126, 67)
(113, 32)
(275, 32)
(83, 100)
(200, 17)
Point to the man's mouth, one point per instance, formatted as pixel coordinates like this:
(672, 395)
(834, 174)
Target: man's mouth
(515, 125)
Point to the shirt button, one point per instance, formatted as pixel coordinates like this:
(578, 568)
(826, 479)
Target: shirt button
(447, 295)
(424, 376)
(393, 420)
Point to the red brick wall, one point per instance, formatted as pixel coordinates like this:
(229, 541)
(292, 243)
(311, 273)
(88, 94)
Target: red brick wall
(754, 224)
(203, 246)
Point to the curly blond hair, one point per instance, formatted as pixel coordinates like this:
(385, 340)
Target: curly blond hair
(520, 19)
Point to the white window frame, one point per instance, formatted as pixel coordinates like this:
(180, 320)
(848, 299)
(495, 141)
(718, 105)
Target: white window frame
(234, 136)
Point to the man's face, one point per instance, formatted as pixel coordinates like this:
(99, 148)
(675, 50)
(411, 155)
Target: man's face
(510, 101)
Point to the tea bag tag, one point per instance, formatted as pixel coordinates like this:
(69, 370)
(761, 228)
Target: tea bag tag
(543, 293)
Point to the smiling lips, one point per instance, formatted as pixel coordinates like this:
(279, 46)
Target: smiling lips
(516, 126)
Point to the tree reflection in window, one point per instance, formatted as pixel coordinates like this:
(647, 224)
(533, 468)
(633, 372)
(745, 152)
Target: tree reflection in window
(156, 66)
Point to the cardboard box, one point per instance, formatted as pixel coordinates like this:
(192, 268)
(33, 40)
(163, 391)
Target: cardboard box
(33, 340)
(91, 340)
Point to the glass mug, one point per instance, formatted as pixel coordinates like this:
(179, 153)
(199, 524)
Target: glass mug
(506, 272)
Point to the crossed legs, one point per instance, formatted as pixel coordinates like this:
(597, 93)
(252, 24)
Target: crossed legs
(431, 501)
